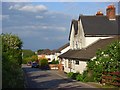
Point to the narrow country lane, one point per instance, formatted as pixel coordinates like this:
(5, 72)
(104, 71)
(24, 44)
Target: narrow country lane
(49, 79)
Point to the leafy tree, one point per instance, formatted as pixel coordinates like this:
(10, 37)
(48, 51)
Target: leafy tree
(27, 53)
(40, 50)
(11, 61)
(30, 59)
(106, 60)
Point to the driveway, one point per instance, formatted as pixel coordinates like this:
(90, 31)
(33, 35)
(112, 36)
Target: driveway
(49, 79)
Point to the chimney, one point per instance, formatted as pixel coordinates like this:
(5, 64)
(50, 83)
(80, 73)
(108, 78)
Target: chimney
(99, 13)
(110, 12)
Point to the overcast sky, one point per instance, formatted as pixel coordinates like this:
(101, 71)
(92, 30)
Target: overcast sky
(43, 25)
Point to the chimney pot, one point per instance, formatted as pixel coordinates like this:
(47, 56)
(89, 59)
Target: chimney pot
(99, 13)
(110, 12)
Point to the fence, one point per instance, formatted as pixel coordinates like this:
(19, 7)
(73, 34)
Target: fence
(112, 78)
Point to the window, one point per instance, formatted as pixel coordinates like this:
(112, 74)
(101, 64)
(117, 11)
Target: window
(77, 62)
(65, 63)
(69, 64)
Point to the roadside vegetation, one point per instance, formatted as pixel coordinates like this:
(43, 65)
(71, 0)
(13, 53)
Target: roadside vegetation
(54, 62)
(107, 60)
(12, 75)
(43, 63)
(28, 56)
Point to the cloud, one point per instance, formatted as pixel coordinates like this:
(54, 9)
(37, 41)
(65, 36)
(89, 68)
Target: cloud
(38, 27)
(54, 38)
(55, 28)
(28, 8)
(39, 17)
(44, 25)
(2, 17)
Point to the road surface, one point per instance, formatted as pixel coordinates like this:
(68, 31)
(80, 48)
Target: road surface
(49, 79)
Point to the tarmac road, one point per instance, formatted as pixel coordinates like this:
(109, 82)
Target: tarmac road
(50, 79)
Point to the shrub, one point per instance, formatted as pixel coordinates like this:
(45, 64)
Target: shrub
(43, 63)
(79, 77)
(72, 75)
(54, 62)
(106, 60)
(75, 75)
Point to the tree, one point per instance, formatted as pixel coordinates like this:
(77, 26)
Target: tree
(27, 53)
(107, 60)
(12, 44)
(11, 61)
(40, 50)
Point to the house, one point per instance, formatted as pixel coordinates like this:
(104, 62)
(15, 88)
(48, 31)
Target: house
(62, 50)
(47, 54)
(76, 60)
(53, 54)
(87, 34)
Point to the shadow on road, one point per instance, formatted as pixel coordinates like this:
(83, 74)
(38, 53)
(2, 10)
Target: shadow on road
(52, 84)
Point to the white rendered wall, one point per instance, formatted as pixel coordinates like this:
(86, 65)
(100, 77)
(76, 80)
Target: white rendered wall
(72, 37)
(74, 67)
(81, 67)
(51, 57)
(56, 56)
(65, 49)
(90, 40)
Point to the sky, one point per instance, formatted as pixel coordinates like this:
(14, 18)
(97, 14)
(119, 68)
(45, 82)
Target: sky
(42, 25)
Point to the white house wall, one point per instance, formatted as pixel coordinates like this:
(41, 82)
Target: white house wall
(81, 67)
(90, 40)
(51, 57)
(74, 67)
(72, 37)
(61, 52)
(65, 49)
(81, 34)
(77, 41)
(66, 69)
(56, 56)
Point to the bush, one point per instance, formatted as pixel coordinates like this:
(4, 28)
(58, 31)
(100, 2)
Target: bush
(43, 64)
(89, 76)
(79, 77)
(54, 62)
(106, 60)
(72, 75)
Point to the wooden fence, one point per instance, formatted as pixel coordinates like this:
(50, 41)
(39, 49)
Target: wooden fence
(112, 78)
